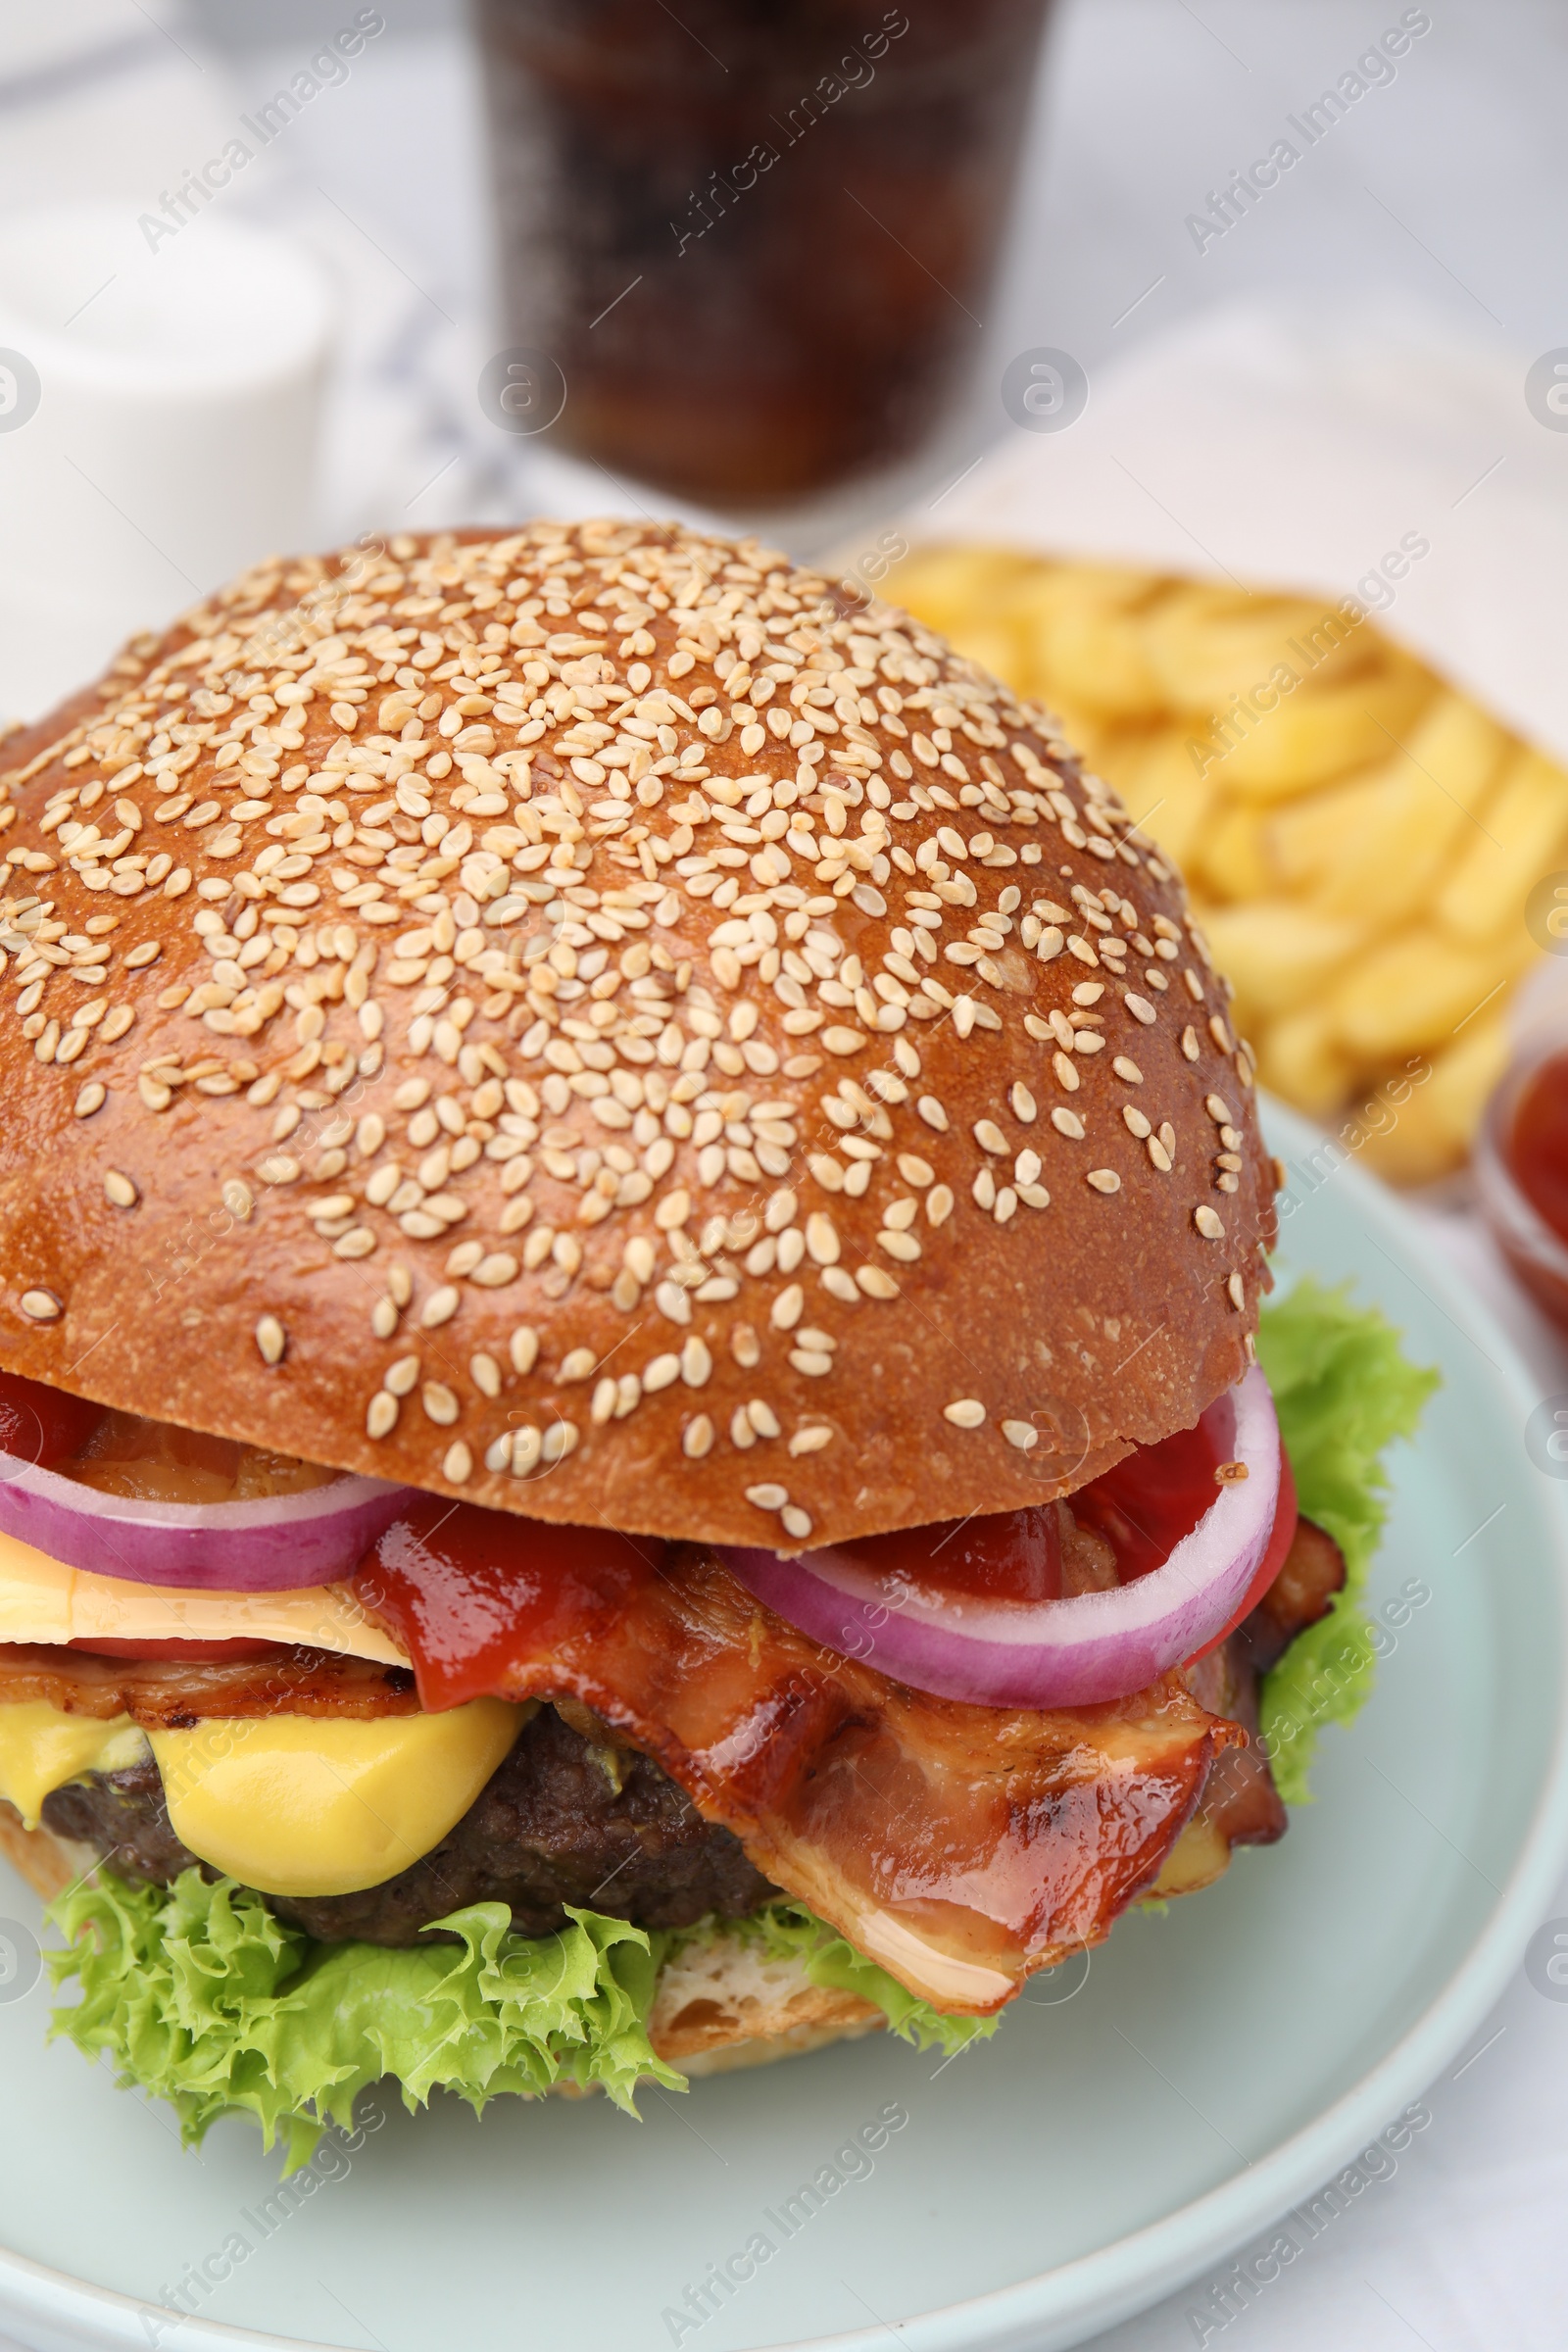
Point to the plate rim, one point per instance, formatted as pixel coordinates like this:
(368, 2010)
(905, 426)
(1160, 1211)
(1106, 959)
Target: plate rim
(1059, 2307)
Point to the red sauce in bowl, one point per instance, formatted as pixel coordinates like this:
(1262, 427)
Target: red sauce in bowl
(1522, 1171)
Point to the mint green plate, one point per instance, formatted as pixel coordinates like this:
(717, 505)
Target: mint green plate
(1119, 2134)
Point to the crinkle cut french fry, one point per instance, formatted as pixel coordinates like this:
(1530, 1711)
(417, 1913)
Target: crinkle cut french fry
(1431, 1128)
(1416, 990)
(1318, 732)
(1525, 824)
(1206, 644)
(1300, 1057)
(1375, 847)
(1276, 953)
(1164, 794)
(1232, 859)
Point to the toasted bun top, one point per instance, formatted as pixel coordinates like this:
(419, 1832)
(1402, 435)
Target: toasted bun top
(582, 1020)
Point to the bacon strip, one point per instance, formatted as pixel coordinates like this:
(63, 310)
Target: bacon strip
(166, 1695)
(962, 1847)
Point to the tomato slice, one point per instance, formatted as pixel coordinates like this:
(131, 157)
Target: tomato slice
(1286, 1514)
(41, 1425)
(240, 1650)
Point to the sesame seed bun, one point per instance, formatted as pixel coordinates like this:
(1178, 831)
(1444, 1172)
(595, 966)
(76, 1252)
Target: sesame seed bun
(581, 1021)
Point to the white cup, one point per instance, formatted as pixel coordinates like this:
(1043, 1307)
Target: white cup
(159, 407)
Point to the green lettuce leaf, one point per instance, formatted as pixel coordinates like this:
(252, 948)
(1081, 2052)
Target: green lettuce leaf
(199, 1996)
(1344, 1391)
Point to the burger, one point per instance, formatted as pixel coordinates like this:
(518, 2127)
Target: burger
(632, 1435)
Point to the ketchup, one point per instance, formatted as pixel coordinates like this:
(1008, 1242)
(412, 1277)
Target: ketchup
(43, 1426)
(1536, 1146)
(1143, 1508)
(1148, 1503)
(1011, 1555)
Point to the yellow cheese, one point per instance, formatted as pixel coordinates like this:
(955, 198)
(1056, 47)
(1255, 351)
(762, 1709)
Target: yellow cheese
(41, 1749)
(297, 1806)
(43, 1601)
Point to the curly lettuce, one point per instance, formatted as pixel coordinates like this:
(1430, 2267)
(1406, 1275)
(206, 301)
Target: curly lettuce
(200, 1995)
(1344, 1391)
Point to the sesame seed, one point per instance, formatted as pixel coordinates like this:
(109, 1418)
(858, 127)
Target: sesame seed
(1024, 1102)
(795, 1522)
(697, 1437)
(1207, 1223)
(91, 1097)
(485, 1373)
(1022, 1434)
(271, 1340)
(696, 1362)
(875, 1282)
(524, 1348)
(660, 1373)
(1128, 1070)
(381, 1417)
(384, 1319)
(440, 1308)
(559, 1441)
(810, 1440)
(1138, 1006)
(401, 1376)
(578, 1364)
(121, 1189)
(821, 1240)
(458, 1466)
(527, 1447)
(1067, 1123)
(964, 1413)
(1237, 1292)
(989, 1136)
(1190, 1045)
(1103, 1180)
(767, 1497)
(1219, 1110)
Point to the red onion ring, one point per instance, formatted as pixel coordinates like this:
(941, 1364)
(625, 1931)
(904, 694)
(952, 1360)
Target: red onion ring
(278, 1543)
(1050, 1653)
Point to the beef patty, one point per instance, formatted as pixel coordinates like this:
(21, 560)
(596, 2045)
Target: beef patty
(571, 1817)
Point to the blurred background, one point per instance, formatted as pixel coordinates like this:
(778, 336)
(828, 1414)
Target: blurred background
(1125, 340)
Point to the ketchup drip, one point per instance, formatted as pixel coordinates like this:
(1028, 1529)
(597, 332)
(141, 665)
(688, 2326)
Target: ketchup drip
(43, 1426)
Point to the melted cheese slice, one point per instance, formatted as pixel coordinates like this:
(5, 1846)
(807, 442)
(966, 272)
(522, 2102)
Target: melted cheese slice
(288, 1804)
(43, 1601)
(41, 1749)
(298, 1806)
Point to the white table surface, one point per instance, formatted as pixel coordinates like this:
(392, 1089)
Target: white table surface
(1448, 187)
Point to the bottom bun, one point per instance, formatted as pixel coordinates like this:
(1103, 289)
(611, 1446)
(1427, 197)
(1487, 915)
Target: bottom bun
(721, 2003)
